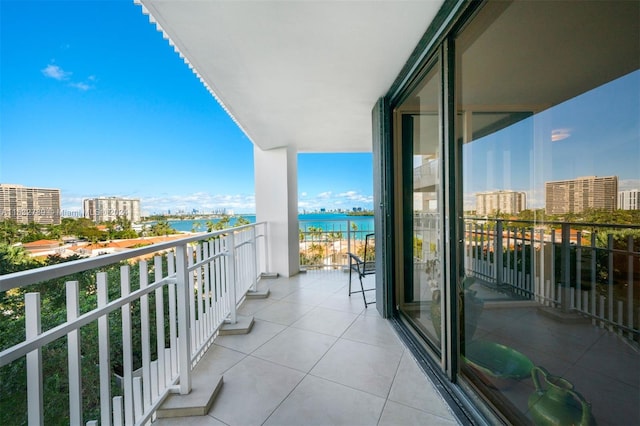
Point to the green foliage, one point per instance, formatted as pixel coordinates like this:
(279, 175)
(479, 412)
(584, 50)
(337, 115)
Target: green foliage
(224, 222)
(9, 231)
(161, 228)
(13, 403)
(15, 259)
(313, 256)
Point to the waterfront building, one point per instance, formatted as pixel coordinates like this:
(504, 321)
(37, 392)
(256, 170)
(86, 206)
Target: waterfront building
(106, 209)
(580, 194)
(510, 202)
(456, 96)
(29, 204)
(629, 200)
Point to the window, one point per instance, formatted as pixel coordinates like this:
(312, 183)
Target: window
(548, 109)
(418, 121)
(540, 177)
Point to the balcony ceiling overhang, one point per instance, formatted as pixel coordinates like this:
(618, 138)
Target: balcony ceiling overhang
(304, 74)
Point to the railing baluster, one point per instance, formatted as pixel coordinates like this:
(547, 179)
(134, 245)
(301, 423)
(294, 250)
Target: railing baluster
(191, 299)
(173, 333)
(498, 253)
(185, 295)
(127, 350)
(155, 390)
(610, 280)
(630, 246)
(137, 398)
(620, 316)
(33, 328)
(594, 254)
(198, 307)
(542, 276)
(145, 335)
(508, 274)
(167, 365)
(104, 354)
(159, 293)
(231, 276)
(206, 290)
(579, 268)
(117, 411)
(553, 268)
(73, 351)
(253, 268)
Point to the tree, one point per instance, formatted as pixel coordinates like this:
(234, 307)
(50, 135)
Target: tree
(9, 231)
(15, 259)
(161, 228)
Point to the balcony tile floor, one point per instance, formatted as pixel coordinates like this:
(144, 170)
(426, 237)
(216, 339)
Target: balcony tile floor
(317, 357)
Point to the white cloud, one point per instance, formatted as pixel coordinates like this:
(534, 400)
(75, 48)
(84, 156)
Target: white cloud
(205, 202)
(201, 201)
(55, 72)
(80, 86)
(331, 201)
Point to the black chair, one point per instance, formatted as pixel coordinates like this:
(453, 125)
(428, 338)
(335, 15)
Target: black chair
(363, 267)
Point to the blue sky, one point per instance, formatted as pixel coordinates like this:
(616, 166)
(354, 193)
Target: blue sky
(96, 103)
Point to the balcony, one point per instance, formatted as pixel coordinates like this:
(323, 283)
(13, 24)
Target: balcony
(566, 296)
(310, 352)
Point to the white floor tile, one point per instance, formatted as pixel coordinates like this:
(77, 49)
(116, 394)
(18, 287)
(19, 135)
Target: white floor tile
(295, 348)
(326, 321)
(361, 366)
(320, 402)
(252, 390)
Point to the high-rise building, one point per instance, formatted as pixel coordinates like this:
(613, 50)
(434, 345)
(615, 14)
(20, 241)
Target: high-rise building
(510, 202)
(105, 209)
(629, 200)
(577, 195)
(26, 204)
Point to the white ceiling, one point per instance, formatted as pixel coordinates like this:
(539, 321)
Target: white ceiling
(296, 73)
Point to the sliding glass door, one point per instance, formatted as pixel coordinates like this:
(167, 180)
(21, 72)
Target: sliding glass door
(418, 122)
(538, 108)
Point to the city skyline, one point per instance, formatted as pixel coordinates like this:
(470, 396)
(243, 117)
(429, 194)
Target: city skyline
(105, 107)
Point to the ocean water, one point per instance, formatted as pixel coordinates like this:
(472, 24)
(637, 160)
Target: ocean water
(327, 222)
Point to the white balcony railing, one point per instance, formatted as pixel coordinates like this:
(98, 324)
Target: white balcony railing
(197, 284)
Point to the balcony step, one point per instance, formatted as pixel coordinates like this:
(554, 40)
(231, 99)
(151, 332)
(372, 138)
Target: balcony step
(242, 326)
(563, 317)
(258, 294)
(204, 389)
(269, 275)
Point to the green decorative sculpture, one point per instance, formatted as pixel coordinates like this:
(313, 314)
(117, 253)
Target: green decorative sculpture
(557, 403)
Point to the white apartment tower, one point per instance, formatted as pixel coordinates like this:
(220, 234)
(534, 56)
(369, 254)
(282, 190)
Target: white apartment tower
(106, 209)
(510, 202)
(27, 204)
(629, 200)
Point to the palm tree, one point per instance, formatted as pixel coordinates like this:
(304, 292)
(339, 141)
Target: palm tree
(9, 231)
(14, 259)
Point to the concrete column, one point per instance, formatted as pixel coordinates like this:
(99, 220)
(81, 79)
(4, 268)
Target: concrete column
(276, 184)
